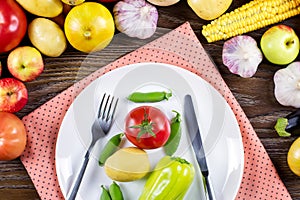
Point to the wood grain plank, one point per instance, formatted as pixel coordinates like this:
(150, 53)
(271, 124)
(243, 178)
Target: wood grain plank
(255, 95)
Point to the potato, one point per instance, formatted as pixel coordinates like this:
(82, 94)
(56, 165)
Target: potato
(42, 8)
(47, 37)
(127, 164)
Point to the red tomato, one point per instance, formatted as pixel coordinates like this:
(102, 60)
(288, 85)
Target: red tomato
(147, 127)
(12, 136)
(13, 25)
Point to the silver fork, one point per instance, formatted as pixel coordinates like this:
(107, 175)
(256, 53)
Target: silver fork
(100, 128)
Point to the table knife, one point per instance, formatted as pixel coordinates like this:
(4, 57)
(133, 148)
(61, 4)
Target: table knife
(195, 137)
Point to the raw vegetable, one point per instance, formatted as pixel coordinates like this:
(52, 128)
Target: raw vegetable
(241, 55)
(170, 179)
(111, 147)
(139, 97)
(105, 194)
(293, 157)
(289, 125)
(209, 9)
(172, 144)
(127, 164)
(136, 18)
(47, 37)
(163, 2)
(42, 8)
(251, 16)
(147, 127)
(115, 191)
(12, 136)
(107, 1)
(287, 85)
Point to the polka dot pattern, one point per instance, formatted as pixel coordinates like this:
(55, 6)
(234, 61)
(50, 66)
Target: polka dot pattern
(181, 48)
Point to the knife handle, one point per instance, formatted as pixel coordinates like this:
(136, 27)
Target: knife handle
(210, 191)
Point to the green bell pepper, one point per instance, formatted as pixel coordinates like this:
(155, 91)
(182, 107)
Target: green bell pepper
(170, 180)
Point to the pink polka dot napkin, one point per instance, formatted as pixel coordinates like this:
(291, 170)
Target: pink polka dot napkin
(181, 48)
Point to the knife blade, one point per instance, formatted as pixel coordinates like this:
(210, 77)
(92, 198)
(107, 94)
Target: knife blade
(195, 137)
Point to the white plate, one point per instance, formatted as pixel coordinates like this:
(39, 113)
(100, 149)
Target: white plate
(219, 129)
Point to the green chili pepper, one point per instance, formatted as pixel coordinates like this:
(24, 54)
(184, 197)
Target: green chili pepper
(105, 194)
(172, 144)
(170, 179)
(110, 147)
(115, 191)
(140, 97)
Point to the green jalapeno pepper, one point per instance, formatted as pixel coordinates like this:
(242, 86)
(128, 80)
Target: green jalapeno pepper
(170, 179)
(140, 97)
(172, 144)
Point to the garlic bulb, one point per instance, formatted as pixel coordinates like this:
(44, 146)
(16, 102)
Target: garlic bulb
(241, 55)
(287, 85)
(136, 18)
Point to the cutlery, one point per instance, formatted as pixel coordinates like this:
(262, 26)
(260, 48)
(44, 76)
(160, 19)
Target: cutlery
(100, 128)
(195, 136)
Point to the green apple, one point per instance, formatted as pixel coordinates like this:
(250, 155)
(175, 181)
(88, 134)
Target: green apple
(280, 44)
(25, 63)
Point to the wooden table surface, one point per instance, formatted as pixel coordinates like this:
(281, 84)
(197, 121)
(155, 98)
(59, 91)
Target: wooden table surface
(255, 94)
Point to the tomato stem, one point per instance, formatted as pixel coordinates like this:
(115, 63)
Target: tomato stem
(145, 127)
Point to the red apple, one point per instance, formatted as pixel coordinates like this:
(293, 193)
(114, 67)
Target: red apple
(13, 95)
(25, 63)
(13, 25)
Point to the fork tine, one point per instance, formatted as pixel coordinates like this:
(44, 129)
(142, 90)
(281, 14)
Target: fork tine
(105, 112)
(114, 110)
(101, 104)
(109, 108)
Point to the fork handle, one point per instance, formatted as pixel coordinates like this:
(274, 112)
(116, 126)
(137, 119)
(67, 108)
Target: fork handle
(210, 191)
(80, 176)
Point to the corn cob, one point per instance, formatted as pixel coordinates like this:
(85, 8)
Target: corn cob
(249, 17)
